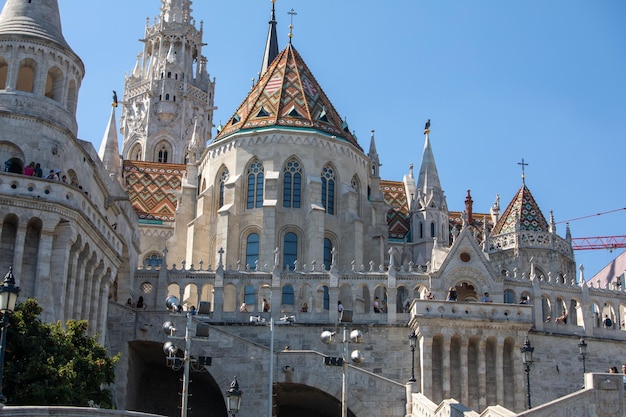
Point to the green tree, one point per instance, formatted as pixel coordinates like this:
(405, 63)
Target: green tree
(51, 364)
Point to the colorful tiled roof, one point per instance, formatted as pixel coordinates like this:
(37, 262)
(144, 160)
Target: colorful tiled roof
(398, 217)
(150, 187)
(288, 95)
(523, 210)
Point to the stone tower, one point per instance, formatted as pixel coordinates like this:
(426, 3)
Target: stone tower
(168, 95)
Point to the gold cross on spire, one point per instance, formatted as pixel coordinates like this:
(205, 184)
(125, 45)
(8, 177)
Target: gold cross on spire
(292, 12)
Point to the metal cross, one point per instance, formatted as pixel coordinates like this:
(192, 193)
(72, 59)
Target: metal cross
(293, 13)
(523, 164)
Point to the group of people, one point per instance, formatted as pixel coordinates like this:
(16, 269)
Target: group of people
(139, 305)
(613, 370)
(34, 170)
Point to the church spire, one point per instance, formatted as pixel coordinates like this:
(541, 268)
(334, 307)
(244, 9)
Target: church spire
(178, 11)
(374, 159)
(428, 176)
(271, 45)
(109, 149)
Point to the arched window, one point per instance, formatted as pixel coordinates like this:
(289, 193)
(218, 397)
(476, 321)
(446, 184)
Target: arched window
(326, 299)
(328, 253)
(4, 70)
(432, 230)
(249, 295)
(288, 295)
(135, 153)
(290, 250)
(252, 249)
(255, 185)
(162, 155)
(223, 179)
(54, 84)
(328, 189)
(292, 183)
(356, 186)
(26, 76)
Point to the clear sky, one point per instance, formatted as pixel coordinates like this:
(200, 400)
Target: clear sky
(500, 80)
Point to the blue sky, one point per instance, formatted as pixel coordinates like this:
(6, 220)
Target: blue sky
(500, 80)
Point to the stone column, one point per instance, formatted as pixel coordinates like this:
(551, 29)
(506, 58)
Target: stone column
(426, 357)
(446, 366)
(482, 375)
(18, 251)
(463, 373)
(500, 370)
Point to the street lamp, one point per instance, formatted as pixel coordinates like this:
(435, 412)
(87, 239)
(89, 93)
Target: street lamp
(412, 344)
(582, 349)
(527, 356)
(186, 362)
(233, 398)
(8, 297)
(356, 356)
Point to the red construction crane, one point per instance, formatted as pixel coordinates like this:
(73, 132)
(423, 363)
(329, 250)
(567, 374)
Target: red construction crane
(599, 242)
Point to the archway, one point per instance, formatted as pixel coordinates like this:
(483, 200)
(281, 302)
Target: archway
(297, 400)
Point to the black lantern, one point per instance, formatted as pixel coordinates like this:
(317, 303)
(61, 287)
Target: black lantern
(8, 298)
(412, 345)
(527, 356)
(233, 397)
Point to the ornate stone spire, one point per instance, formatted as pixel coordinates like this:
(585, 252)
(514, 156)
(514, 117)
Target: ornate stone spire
(178, 11)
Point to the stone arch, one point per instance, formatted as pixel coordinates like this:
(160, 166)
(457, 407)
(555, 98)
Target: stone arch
(72, 96)
(322, 298)
(380, 293)
(190, 296)
(4, 71)
(26, 75)
(362, 299)
(304, 294)
(265, 293)
(136, 152)
(345, 296)
(230, 298)
(163, 152)
(10, 224)
(220, 186)
(287, 298)
(30, 257)
(469, 282)
(54, 84)
(403, 299)
(546, 309)
(12, 156)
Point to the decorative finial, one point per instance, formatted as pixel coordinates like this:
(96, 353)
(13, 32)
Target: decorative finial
(523, 164)
(427, 127)
(293, 13)
(114, 104)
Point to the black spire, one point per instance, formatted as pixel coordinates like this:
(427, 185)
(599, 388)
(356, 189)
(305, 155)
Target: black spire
(271, 46)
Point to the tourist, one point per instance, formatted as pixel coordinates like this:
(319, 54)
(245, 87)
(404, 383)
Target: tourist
(266, 306)
(29, 171)
(141, 305)
(339, 306)
(376, 305)
(607, 323)
(486, 298)
(452, 296)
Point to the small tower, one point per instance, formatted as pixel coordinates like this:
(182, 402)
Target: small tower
(430, 211)
(168, 90)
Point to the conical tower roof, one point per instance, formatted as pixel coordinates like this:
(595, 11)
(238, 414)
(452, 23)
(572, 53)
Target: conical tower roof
(39, 19)
(523, 211)
(287, 95)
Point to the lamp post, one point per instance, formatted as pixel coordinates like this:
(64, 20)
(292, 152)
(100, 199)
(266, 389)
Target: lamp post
(412, 344)
(8, 297)
(356, 356)
(233, 398)
(185, 362)
(582, 349)
(527, 356)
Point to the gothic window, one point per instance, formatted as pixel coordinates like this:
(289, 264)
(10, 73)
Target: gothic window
(135, 153)
(255, 185)
(326, 299)
(421, 230)
(290, 250)
(328, 253)
(223, 179)
(252, 249)
(432, 230)
(288, 297)
(292, 184)
(153, 261)
(249, 295)
(162, 155)
(356, 186)
(328, 189)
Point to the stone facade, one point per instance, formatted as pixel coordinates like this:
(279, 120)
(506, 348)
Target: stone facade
(282, 207)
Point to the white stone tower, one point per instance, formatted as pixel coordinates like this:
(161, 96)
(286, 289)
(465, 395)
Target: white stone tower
(168, 96)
